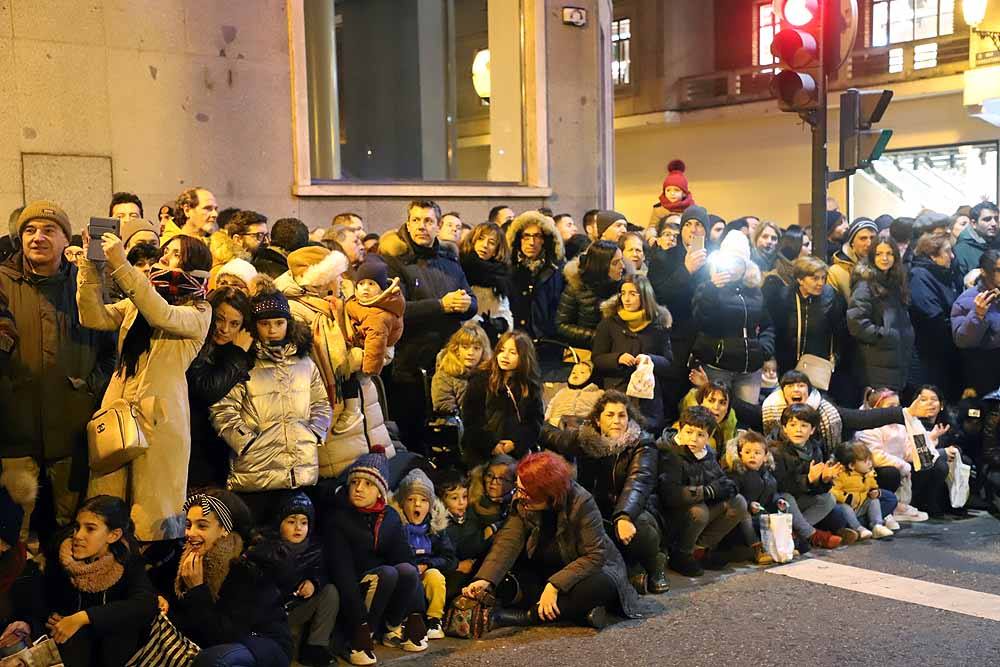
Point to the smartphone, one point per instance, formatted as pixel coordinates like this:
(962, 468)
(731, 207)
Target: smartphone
(97, 228)
(697, 243)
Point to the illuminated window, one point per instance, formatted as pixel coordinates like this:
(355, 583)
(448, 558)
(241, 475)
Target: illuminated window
(766, 29)
(621, 52)
(925, 55)
(898, 21)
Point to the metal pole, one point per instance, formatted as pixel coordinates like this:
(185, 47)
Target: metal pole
(819, 173)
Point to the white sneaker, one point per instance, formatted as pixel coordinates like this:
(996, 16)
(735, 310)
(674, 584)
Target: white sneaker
(362, 657)
(864, 534)
(911, 514)
(434, 629)
(880, 531)
(891, 523)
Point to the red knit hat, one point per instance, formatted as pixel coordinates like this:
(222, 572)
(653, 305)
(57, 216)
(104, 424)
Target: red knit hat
(675, 177)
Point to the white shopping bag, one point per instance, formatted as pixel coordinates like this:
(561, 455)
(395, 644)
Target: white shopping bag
(642, 384)
(958, 481)
(776, 536)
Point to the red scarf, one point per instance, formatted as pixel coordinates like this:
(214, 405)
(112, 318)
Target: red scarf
(378, 507)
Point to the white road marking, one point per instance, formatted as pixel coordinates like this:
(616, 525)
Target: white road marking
(915, 591)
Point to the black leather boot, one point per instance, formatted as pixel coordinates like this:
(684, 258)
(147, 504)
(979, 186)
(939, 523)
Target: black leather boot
(505, 617)
(657, 582)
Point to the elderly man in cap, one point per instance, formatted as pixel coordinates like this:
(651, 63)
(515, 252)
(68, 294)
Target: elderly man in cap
(54, 370)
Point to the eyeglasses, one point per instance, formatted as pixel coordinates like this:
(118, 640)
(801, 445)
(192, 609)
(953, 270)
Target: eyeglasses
(534, 236)
(260, 236)
(489, 478)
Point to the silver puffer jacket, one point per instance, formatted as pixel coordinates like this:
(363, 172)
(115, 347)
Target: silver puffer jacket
(275, 421)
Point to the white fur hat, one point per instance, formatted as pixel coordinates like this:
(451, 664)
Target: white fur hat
(240, 268)
(736, 244)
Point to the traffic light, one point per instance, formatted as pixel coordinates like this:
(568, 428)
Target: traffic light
(860, 145)
(796, 46)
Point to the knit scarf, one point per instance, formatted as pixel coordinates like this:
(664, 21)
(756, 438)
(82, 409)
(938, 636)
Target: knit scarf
(636, 320)
(486, 273)
(277, 353)
(329, 345)
(215, 564)
(377, 508)
(93, 576)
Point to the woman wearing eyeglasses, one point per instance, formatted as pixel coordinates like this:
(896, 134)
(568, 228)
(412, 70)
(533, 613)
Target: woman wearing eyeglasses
(567, 567)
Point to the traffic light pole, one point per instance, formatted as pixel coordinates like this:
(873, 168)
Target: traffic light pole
(819, 164)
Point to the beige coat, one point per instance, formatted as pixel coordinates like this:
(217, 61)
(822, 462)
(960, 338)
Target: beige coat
(155, 483)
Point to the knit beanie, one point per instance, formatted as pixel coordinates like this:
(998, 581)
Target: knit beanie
(736, 244)
(17, 489)
(240, 268)
(316, 266)
(298, 504)
(696, 213)
(833, 218)
(607, 218)
(416, 483)
(132, 227)
(267, 302)
(44, 210)
(372, 268)
(675, 176)
(857, 226)
(374, 467)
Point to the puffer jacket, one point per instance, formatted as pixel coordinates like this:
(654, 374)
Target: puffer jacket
(614, 338)
(880, 323)
(978, 340)
(425, 276)
(448, 391)
(43, 414)
(684, 480)
(377, 326)
(620, 475)
(757, 486)
(852, 488)
(734, 329)
(341, 449)
(275, 421)
(571, 402)
(933, 290)
(534, 296)
(805, 325)
(579, 310)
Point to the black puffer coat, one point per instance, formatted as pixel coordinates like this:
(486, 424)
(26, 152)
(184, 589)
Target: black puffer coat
(805, 325)
(734, 329)
(622, 478)
(614, 338)
(933, 291)
(879, 321)
(535, 295)
(684, 480)
(489, 418)
(674, 288)
(579, 310)
(215, 371)
(425, 276)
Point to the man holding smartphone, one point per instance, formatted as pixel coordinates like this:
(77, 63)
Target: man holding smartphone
(54, 361)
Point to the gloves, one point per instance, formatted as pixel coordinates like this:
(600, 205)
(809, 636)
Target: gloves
(720, 490)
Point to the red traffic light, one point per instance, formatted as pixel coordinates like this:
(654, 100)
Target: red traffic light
(795, 48)
(797, 13)
(795, 91)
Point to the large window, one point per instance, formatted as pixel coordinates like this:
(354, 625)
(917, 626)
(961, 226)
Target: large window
(898, 21)
(766, 27)
(621, 52)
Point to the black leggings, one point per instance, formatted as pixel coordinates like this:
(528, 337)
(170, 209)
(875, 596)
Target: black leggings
(929, 486)
(597, 590)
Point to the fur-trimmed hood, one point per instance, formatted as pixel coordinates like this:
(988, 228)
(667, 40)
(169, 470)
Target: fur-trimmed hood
(571, 272)
(732, 447)
(548, 227)
(22, 486)
(323, 272)
(609, 309)
(438, 514)
(595, 445)
(397, 244)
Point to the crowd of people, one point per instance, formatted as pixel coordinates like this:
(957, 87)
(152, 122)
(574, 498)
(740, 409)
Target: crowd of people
(338, 438)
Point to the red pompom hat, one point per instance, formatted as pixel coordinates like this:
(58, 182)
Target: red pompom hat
(676, 178)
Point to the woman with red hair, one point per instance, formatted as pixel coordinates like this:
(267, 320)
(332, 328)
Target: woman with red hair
(566, 565)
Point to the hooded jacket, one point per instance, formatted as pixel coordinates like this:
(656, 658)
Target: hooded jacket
(584, 547)
(757, 486)
(269, 261)
(977, 340)
(619, 474)
(880, 323)
(275, 421)
(535, 291)
(378, 325)
(569, 402)
(851, 488)
(839, 275)
(614, 338)
(734, 328)
(579, 310)
(425, 276)
(448, 391)
(442, 556)
(44, 415)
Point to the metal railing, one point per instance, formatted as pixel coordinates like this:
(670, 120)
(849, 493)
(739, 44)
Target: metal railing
(865, 68)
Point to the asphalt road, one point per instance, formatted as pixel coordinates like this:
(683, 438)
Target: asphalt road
(748, 616)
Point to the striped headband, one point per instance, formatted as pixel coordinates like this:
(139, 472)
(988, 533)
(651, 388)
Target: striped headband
(211, 505)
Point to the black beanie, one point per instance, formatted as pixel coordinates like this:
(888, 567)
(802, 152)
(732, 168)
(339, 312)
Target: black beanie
(607, 218)
(298, 504)
(372, 268)
(696, 213)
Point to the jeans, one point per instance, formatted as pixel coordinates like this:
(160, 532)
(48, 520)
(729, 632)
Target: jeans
(745, 386)
(707, 524)
(868, 515)
(320, 611)
(815, 508)
(225, 655)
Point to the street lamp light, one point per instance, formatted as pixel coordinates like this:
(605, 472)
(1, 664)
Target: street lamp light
(974, 11)
(481, 75)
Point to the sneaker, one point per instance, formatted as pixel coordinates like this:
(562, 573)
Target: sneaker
(911, 513)
(362, 657)
(434, 630)
(880, 531)
(891, 523)
(347, 420)
(825, 539)
(362, 647)
(761, 557)
(414, 634)
(848, 535)
(685, 564)
(864, 534)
